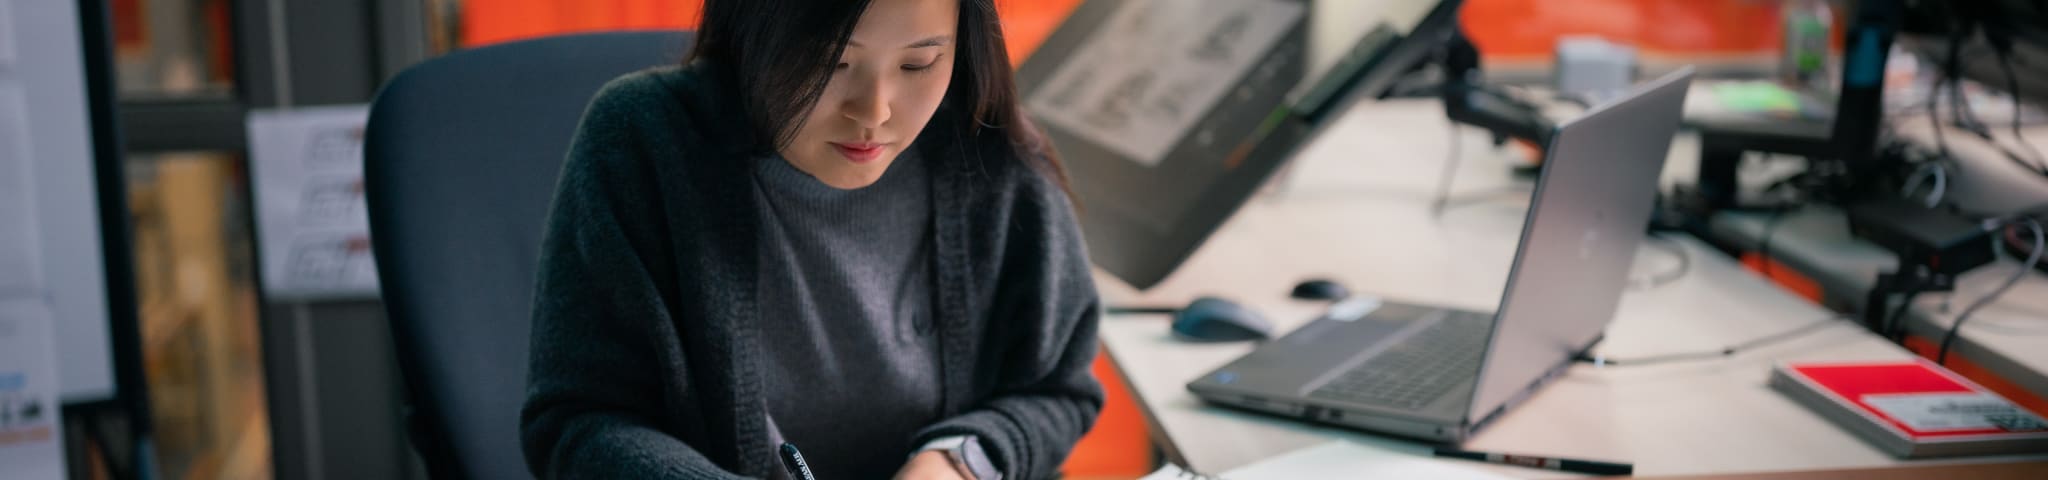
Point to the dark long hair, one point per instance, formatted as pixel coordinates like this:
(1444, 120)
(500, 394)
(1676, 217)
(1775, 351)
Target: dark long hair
(780, 54)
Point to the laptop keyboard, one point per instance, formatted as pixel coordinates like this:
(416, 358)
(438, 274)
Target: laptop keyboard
(1413, 372)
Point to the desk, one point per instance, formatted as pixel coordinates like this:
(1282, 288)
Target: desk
(1364, 220)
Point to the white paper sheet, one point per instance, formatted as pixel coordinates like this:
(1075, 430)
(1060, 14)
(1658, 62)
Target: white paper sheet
(20, 273)
(1145, 77)
(1341, 459)
(311, 219)
(1952, 411)
(31, 435)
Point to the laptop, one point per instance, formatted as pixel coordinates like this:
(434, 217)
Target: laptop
(1441, 374)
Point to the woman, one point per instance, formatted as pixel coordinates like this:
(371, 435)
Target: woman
(831, 227)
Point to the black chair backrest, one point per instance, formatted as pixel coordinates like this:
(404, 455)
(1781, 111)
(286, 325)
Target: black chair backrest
(460, 160)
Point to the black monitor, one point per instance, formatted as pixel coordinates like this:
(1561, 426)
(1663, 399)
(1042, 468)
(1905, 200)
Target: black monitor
(1170, 114)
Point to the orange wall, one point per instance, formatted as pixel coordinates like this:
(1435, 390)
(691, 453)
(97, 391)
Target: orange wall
(1026, 23)
(1529, 29)
(1510, 29)
(486, 22)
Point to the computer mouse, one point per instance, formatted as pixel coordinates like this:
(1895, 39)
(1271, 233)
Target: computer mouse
(1320, 289)
(1211, 319)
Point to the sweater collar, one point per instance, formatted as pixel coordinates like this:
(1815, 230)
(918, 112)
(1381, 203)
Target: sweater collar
(952, 163)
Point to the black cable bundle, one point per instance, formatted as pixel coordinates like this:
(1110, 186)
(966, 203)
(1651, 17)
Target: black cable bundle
(1970, 24)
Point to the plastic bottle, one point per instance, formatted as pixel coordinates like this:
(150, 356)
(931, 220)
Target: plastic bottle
(1809, 29)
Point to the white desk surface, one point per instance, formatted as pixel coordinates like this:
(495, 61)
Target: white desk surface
(1356, 209)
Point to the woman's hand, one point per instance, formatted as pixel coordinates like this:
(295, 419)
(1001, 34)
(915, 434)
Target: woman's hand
(931, 465)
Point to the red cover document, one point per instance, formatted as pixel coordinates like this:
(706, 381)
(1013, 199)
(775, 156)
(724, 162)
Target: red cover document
(1913, 408)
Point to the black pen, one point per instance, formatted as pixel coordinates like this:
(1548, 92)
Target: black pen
(1549, 463)
(794, 461)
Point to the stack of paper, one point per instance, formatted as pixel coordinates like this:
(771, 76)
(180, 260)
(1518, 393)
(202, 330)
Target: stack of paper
(1914, 408)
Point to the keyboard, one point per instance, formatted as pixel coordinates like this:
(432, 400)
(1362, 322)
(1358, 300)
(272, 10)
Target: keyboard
(1416, 371)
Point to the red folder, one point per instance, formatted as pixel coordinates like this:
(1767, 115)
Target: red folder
(1914, 408)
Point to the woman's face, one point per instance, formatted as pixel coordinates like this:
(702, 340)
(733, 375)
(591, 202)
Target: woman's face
(885, 88)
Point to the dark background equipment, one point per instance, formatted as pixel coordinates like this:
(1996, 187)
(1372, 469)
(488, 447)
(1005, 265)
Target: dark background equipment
(1842, 150)
(1933, 247)
(1142, 221)
(1858, 161)
(1469, 100)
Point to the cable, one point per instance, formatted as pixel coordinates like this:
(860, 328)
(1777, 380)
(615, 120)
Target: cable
(1964, 116)
(1659, 280)
(1963, 113)
(1728, 351)
(2034, 258)
(1940, 186)
(1892, 325)
(2012, 86)
(2013, 246)
(1934, 107)
(1950, 82)
(1444, 200)
(1952, 67)
(1928, 171)
(1960, 111)
(1443, 184)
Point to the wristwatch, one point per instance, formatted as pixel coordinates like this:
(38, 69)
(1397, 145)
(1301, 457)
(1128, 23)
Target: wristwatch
(967, 456)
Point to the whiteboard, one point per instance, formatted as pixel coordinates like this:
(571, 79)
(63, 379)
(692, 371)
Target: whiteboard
(62, 225)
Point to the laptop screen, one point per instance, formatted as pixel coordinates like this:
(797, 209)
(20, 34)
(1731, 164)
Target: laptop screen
(1591, 207)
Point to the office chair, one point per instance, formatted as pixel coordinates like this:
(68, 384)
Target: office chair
(460, 160)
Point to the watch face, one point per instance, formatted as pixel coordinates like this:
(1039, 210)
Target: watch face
(976, 462)
(967, 457)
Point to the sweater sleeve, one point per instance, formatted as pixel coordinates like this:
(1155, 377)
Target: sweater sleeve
(1046, 308)
(602, 341)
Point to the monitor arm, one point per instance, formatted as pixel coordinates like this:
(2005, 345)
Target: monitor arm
(1470, 101)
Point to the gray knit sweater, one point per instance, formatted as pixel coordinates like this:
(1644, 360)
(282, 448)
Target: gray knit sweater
(849, 361)
(647, 341)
